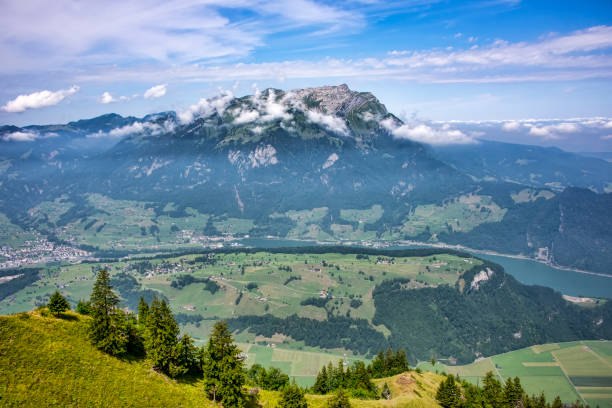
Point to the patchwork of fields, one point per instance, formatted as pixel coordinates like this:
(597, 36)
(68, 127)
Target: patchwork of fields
(254, 284)
(580, 370)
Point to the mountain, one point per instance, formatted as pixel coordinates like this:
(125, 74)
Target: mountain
(317, 163)
(540, 167)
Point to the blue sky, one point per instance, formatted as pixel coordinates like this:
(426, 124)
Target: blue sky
(438, 60)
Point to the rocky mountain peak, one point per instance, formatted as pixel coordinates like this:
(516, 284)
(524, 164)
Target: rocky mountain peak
(336, 100)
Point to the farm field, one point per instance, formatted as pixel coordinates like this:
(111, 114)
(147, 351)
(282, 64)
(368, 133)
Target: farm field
(580, 370)
(461, 214)
(227, 285)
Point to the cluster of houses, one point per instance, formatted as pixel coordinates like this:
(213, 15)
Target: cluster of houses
(39, 250)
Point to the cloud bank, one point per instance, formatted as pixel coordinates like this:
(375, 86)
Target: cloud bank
(426, 133)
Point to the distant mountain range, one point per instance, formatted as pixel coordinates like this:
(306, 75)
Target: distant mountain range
(324, 164)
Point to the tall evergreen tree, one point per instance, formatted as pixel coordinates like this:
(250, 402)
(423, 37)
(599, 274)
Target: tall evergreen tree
(512, 394)
(292, 397)
(143, 311)
(57, 304)
(223, 369)
(378, 365)
(320, 385)
(107, 327)
(184, 357)
(162, 333)
(492, 390)
(449, 394)
(339, 400)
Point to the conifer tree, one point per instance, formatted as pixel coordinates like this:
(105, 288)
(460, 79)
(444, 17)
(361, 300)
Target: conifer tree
(378, 365)
(162, 333)
(223, 369)
(292, 397)
(135, 344)
(339, 400)
(513, 393)
(57, 304)
(184, 357)
(143, 311)
(449, 394)
(83, 307)
(492, 390)
(320, 385)
(107, 327)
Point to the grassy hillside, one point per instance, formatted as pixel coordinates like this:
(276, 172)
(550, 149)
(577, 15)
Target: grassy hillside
(49, 362)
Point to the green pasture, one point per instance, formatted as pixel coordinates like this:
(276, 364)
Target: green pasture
(461, 214)
(572, 370)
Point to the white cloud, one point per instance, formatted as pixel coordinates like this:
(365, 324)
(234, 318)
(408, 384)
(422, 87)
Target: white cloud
(246, 116)
(423, 133)
(552, 131)
(206, 107)
(150, 31)
(273, 110)
(333, 123)
(606, 137)
(137, 128)
(511, 126)
(608, 125)
(108, 98)
(156, 92)
(576, 56)
(333, 158)
(20, 136)
(38, 99)
(458, 35)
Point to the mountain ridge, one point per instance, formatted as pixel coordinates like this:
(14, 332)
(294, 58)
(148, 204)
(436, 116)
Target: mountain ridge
(262, 157)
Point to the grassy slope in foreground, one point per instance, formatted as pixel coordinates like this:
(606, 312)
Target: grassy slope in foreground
(49, 362)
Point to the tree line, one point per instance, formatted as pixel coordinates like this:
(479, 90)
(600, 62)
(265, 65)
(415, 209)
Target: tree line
(357, 379)
(456, 393)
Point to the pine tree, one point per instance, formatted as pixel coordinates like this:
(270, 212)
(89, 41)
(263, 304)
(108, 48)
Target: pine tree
(57, 304)
(378, 365)
(513, 393)
(320, 385)
(162, 333)
(557, 403)
(292, 397)
(361, 378)
(83, 307)
(492, 390)
(339, 400)
(143, 311)
(449, 394)
(184, 357)
(223, 369)
(107, 327)
(135, 343)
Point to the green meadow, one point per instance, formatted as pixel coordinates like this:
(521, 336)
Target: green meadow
(580, 370)
(257, 283)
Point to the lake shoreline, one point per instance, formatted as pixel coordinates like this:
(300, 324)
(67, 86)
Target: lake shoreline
(514, 256)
